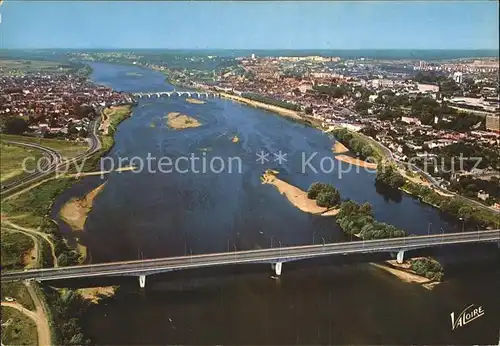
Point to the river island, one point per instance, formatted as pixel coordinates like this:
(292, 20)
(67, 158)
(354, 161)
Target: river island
(178, 121)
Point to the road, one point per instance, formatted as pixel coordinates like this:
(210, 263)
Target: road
(271, 255)
(56, 161)
(39, 316)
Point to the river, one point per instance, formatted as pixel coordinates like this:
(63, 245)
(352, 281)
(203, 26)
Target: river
(333, 301)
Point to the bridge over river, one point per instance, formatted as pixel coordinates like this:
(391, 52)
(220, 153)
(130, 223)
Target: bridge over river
(274, 256)
(198, 94)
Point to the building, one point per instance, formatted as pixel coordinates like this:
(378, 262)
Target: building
(427, 88)
(493, 123)
(411, 120)
(458, 77)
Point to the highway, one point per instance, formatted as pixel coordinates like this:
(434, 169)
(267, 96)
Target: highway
(53, 156)
(56, 161)
(271, 255)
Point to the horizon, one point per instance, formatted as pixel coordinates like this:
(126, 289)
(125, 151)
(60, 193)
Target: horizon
(247, 49)
(204, 25)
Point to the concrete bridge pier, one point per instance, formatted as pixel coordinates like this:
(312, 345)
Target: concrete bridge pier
(142, 281)
(277, 268)
(400, 257)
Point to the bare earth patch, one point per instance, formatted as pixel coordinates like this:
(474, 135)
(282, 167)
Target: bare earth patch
(295, 195)
(195, 101)
(356, 162)
(180, 121)
(30, 257)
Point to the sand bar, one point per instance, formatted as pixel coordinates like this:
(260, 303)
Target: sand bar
(178, 121)
(195, 101)
(75, 211)
(295, 195)
(339, 148)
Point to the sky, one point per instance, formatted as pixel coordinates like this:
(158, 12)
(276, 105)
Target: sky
(250, 25)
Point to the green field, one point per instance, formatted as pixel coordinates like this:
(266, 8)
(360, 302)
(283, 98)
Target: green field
(14, 245)
(17, 329)
(67, 149)
(22, 67)
(18, 291)
(11, 164)
(31, 207)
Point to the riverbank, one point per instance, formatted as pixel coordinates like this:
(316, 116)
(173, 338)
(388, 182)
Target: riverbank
(111, 117)
(279, 110)
(355, 161)
(296, 196)
(96, 294)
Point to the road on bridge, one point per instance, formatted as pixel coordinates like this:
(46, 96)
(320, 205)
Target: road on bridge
(271, 255)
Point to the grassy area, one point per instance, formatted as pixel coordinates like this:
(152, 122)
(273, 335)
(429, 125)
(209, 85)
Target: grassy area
(32, 206)
(20, 292)
(111, 118)
(67, 149)
(11, 165)
(17, 329)
(14, 246)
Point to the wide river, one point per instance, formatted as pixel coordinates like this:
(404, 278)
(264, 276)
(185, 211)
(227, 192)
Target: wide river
(332, 301)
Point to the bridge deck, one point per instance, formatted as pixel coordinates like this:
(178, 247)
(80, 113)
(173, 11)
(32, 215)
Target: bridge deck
(271, 255)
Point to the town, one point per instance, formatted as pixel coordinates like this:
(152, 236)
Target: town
(54, 103)
(437, 115)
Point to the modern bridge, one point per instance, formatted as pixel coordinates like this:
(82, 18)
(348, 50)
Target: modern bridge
(198, 94)
(274, 256)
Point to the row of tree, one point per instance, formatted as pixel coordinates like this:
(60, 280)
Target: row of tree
(389, 176)
(271, 101)
(455, 206)
(325, 195)
(358, 220)
(355, 143)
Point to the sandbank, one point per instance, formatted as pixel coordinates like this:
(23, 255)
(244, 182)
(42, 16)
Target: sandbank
(94, 294)
(195, 101)
(75, 211)
(339, 148)
(295, 195)
(180, 121)
(403, 272)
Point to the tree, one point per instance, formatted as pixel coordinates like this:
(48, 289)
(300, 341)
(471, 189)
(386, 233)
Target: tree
(16, 126)
(328, 199)
(315, 189)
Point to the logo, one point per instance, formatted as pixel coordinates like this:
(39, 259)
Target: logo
(468, 315)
